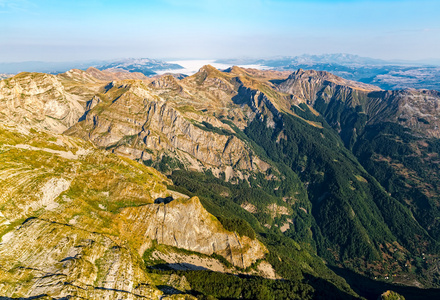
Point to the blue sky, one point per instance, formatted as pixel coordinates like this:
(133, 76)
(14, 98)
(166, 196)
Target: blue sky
(56, 30)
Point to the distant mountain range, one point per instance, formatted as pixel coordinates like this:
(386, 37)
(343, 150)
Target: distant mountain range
(4, 76)
(145, 66)
(390, 75)
(385, 74)
(307, 59)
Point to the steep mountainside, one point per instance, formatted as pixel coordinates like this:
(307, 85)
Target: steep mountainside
(220, 104)
(267, 174)
(267, 116)
(395, 136)
(32, 98)
(333, 96)
(109, 75)
(134, 119)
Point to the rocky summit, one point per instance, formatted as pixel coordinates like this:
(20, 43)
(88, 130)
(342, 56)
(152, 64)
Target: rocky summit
(237, 184)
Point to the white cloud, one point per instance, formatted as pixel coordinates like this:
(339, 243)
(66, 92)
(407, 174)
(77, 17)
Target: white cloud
(9, 6)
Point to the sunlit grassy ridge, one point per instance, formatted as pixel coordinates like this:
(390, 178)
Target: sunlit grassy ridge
(96, 177)
(67, 198)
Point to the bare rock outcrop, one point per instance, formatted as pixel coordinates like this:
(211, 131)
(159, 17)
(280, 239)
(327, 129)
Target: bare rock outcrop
(414, 109)
(136, 123)
(114, 74)
(306, 85)
(40, 101)
(186, 224)
(43, 257)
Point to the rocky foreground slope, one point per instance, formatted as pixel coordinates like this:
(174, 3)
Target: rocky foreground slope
(75, 221)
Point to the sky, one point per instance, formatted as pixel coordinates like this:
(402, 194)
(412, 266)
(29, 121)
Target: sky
(58, 30)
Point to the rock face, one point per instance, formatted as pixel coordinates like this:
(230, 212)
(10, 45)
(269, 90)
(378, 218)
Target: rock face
(116, 74)
(38, 100)
(43, 257)
(194, 230)
(134, 121)
(414, 109)
(167, 82)
(52, 242)
(259, 103)
(309, 83)
(146, 121)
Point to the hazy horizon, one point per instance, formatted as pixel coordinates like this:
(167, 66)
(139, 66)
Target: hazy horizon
(432, 60)
(61, 31)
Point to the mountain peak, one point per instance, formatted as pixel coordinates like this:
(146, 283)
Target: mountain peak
(114, 74)
(208, 69)
(321, 76)
(235, 70)
(92, 69)
(167, 81)
(312, 73)
(204, 73)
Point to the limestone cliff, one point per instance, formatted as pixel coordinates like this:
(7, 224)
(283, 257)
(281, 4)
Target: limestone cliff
(78, 213)
(44, 257)
(38, 100)
(414, 109)
(306, 85)
(142, 120)
(114, 74)
(133, 121)
(186, 224)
